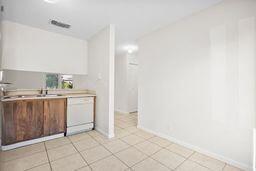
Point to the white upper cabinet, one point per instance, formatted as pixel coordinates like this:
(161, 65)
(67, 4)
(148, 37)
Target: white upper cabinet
(31, 49)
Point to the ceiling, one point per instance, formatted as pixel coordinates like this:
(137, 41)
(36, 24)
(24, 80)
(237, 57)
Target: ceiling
(133, 18)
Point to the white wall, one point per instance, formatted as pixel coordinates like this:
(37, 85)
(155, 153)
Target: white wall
(132, 81)
(197, 81)
(30, 49)
(101, 48)
(121, 87)
(126, 87)
(1, 34)
(1, 18)
(254, 149)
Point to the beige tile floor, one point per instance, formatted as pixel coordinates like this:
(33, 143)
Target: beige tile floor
(131, 149)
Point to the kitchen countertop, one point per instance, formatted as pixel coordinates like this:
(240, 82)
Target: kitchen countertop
(56, 94)
(47, 97)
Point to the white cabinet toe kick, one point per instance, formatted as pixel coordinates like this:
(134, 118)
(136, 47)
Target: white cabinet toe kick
(29, 142)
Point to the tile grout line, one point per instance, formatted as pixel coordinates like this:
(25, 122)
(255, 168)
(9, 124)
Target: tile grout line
(63, 156)
(37, 166)
(100, 159)
(80, 155)
(159, 161)
(23, 156)
(102, 144)
(113, 154)
(70, 143)
(95, 147)
(145, 139)
(45, 150)
(189, 158)
(134, 133)
(147, 156)
(182, 162)
(48, 156)
(186, 157)
(151, 156)
(59, 145)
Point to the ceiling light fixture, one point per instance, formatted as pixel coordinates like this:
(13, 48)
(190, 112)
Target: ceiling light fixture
(130, 48)
(51, 1)
(130, 51)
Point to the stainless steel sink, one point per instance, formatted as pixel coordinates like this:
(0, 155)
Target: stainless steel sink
(31, 96)
(48, 95)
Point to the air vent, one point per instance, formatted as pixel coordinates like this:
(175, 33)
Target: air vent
(60, 24)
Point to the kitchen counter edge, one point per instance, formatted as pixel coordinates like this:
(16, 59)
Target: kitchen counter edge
(49, 97)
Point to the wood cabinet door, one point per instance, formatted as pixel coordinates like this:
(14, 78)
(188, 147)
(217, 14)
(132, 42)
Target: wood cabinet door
(22, 120)
(8, 126)
(35, 121)
(54, 116)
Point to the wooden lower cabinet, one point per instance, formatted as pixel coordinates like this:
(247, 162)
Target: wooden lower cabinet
(54, 116)
(29, 119)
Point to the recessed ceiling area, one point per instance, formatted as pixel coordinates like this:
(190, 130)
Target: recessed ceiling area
(132, 18)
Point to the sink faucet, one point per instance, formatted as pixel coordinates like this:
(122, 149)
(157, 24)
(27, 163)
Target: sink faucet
(41, 91)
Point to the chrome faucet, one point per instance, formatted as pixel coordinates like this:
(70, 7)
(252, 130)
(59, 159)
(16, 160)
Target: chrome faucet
(41, 91)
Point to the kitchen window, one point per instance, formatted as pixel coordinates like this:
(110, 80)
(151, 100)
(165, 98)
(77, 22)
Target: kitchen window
(66, 81)
(52, 81)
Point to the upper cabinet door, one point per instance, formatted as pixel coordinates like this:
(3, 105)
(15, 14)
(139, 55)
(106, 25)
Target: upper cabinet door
(30, 49)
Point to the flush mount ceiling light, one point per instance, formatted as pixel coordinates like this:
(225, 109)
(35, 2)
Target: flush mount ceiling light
(51, 1)
(130, 48)
(130, 51)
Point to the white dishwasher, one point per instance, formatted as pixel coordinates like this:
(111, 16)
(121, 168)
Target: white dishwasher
(80, 114)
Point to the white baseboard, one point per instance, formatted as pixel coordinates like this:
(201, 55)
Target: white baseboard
(104, 133)
(121, 112)
(111, 135)
(254, 149)
(125, 112)
(29, 142)
(79, 128)
(200, 150)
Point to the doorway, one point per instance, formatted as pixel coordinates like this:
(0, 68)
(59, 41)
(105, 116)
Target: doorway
(126, 91)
